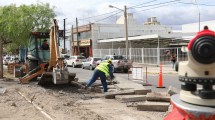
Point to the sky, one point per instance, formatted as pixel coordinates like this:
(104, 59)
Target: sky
(173, 13)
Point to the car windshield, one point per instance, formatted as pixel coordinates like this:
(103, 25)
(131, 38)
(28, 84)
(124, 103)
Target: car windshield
(81, 57)
(118, 58)
(96, 59)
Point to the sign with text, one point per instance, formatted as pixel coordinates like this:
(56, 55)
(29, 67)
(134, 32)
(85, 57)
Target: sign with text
(83, 43)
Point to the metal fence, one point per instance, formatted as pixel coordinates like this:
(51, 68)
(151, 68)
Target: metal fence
(153, 56)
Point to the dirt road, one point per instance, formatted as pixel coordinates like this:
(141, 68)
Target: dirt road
(33, 102)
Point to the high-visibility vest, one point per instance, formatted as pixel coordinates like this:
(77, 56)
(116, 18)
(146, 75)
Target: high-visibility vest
(104, 68)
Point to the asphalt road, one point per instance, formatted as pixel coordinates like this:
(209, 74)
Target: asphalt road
(168, 79)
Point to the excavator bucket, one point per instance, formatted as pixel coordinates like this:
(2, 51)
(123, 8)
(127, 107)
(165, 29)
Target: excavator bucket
(56, 77)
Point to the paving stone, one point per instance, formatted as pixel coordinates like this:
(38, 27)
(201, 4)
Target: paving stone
(130, 98)
(153, 106)
(155, 96)
(111, 95)
(142, 91)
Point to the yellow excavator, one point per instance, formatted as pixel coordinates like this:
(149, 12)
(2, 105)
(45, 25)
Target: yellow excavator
(46, 65)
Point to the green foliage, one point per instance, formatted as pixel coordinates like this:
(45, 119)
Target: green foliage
(16, 23)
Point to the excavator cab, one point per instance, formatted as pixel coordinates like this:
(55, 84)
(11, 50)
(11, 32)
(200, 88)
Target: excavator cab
(34, 49)
(35, 54)
(46, 65)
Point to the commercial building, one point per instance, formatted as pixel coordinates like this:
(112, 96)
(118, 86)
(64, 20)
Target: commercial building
(95, 36)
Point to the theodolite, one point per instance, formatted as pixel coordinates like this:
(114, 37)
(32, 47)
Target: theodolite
(196, 100)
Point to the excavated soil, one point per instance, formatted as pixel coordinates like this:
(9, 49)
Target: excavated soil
(63, 102)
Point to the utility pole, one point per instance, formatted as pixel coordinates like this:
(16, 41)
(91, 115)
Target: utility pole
(77, 36)
(72, 50)
(1, 60)
(64, 35)
(126, 31)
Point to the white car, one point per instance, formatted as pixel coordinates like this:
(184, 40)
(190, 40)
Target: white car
(75, 61)
(6, 60)
(90, 63)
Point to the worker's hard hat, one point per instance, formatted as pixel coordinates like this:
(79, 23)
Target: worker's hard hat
(109, 61)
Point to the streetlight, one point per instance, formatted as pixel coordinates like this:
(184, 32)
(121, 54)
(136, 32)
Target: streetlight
(195, 2)
(126, 27)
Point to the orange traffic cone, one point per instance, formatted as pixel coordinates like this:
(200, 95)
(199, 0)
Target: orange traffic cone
(160, 78)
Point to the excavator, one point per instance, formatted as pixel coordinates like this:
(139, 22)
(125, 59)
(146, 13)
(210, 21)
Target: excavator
(47, 66)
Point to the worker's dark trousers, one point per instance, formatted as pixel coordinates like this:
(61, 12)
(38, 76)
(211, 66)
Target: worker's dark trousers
(96, 74)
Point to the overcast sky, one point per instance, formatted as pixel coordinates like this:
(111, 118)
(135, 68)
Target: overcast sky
(168, 12)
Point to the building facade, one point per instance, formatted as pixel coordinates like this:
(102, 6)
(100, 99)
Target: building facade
(150, 34)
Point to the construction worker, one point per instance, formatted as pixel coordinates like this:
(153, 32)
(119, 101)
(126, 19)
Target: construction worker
(103, 70)
(45, 45)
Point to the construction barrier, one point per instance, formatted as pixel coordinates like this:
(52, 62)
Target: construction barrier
(17, 72)
(14, 68)
(10, 68)
(137, 73)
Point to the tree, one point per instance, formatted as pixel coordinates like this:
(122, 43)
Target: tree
(16, 23)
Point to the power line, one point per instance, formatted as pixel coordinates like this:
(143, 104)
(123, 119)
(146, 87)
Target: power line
(141, 4)
(107, 17)
(156, 7)
(98, 15)
(173, 1)
(195, 4)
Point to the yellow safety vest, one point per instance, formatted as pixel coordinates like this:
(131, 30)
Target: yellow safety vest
(104, 68)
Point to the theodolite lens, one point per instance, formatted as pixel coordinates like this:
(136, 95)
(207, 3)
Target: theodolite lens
(203, 50)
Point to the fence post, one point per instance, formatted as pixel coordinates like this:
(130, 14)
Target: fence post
(158, 56)
(142, 55)
(130, 53)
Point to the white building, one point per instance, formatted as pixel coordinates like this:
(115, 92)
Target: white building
(193, 28)
(150, 34)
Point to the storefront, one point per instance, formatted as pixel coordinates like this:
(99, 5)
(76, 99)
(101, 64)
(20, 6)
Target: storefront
(85, 47)
(83, 43)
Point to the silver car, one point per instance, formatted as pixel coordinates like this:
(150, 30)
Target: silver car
(90, 63)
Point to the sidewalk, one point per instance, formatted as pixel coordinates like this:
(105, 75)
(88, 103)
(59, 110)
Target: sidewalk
(166, 69)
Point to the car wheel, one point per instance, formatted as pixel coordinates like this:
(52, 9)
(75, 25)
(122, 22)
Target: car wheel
(73, 65)
(91, 67)
(82, 66)
(125, 70)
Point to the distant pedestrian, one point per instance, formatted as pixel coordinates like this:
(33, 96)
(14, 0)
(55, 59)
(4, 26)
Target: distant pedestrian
(173, 60)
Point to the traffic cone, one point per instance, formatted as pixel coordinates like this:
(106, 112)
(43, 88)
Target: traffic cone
(160, 78)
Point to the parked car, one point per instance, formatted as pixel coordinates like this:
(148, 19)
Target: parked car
(90, 63)
(6, 60)
(75, 61)
(14, 60)
(119, 62)
(66, 56)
